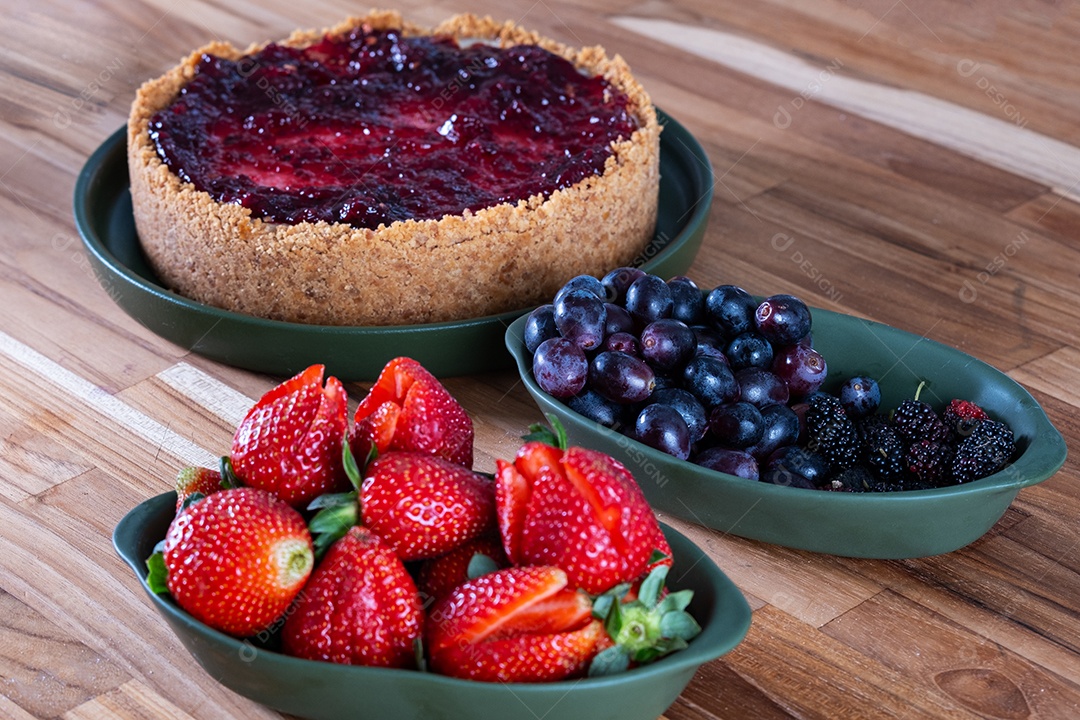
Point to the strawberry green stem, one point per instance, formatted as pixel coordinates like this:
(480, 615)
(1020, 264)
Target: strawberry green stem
(646, 628)
(555, 435)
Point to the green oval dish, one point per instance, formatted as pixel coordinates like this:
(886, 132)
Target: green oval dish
(325, 691)
(873, 525)
(102, 208)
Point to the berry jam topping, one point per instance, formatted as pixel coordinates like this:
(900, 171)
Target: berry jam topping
(373, 127)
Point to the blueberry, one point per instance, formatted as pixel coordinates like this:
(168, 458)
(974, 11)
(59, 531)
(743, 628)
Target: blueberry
(662, 427)
(749, 349)
(688, 406)
(688, 304)
(540, 326)
(710, 380)
(736, 425)
(860, 396)
(732, 462)
(731, 310)
(783, 319)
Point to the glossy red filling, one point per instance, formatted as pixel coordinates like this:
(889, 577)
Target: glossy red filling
(374, 127)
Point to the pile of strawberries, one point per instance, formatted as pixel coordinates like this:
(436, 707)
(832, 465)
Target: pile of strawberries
(379, 545)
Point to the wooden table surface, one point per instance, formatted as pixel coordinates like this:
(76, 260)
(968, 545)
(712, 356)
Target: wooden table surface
(914, 162)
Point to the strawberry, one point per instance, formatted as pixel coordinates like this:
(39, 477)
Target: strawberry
(409, 409)
(421, 505)
(290, 442)
(520, 624)
(193, 483)
(579, 510)
(436, 577)
(360, 607)
(424, 506)
(236, 559)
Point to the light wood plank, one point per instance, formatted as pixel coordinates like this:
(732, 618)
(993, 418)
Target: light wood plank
(45, 671)
(130, 701)
(992, 140)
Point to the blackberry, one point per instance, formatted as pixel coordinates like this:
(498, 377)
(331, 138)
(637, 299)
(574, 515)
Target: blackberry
(882, 449)
(986, 450)
(931, 462)
(831, 432)
(962, 416)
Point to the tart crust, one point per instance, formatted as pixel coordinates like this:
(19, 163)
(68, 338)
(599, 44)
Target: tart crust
(497, 259)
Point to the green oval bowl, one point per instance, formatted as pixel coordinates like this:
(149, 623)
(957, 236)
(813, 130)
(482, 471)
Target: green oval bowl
(103, 215)
(325, 691)
(874, 525)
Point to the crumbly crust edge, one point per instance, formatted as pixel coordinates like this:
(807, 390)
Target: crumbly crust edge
(477, 263)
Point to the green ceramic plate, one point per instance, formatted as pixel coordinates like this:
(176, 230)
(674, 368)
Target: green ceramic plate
(326, 691)
(875, 525)
(104, 217)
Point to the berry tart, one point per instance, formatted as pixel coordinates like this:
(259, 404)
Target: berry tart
(377, 173)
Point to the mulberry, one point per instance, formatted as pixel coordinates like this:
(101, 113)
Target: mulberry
(831, 432)
(986, 450)
(963, 416)
(931, 462)
(882, 449)
(915, 420)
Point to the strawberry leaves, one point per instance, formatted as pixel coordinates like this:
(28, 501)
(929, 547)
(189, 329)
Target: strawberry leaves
(555, 435)
(644, 629)
(337, 512)
(157, 577)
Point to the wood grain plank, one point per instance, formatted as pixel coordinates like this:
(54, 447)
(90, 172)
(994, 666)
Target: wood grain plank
(10, 711)
(43, 669)
(218, 398)
(982, 297)
(981, 54)
(110, 614)
(131, 701)
(718, 691)
(1053, 374)
(823, 678)
(789, 248)
(951, 601)
(96, 429)
(184, 417)
(1050, 214)
(31, 459)
(1016, 582)
(60, 326)
(973, 671)
(786, 579)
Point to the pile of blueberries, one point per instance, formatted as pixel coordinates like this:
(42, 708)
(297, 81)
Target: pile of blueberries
(706, 377)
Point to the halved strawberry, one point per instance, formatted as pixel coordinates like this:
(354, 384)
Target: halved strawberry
(195, 482)
(237, 559)
(360, 607)
(409, 409)
(290, 442)
(436, 577)
(579, 510)
(514, 625)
